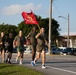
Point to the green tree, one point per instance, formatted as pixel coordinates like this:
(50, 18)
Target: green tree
(6, 28)
(55, 31)
(24, 27)
(54, 28)
(43, 22)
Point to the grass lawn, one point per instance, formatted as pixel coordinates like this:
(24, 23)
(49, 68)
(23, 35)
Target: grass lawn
(9, 69)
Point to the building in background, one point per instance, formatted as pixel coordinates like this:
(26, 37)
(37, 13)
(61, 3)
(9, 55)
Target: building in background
(62, 41)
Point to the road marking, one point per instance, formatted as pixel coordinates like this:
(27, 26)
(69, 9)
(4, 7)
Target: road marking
(62, 70)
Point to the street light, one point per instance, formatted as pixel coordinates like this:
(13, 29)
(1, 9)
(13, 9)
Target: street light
(68, 28)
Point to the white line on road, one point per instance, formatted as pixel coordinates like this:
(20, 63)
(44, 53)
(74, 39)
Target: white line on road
(62, 70)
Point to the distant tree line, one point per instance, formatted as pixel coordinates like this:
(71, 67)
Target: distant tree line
(43, 22)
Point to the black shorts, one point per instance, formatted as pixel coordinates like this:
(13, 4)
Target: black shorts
(10, 49)
(2, 48)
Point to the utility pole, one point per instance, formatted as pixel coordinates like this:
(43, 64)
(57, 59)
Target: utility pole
(50, 17)
(68, 29)
(68, 32)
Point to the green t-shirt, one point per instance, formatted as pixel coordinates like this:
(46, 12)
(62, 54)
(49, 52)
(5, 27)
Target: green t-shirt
(20, 40)
(41, 40)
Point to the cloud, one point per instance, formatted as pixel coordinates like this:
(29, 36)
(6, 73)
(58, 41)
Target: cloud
(15, 9)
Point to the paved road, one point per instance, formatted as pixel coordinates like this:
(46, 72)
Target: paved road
(59, 65)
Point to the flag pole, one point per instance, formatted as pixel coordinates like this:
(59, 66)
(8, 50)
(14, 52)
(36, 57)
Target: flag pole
(38, 26)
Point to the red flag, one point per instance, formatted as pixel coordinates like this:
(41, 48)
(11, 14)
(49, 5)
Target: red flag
(29, 18)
